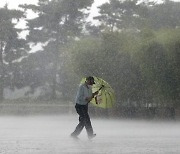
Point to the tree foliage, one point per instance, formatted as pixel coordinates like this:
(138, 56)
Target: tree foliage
(135, 15)
(135, 48)
(141, 70)
(11, 46)
(58, 22)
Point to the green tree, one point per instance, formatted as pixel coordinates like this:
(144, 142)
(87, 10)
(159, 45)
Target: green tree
(165, 15)
(11, 46)
(135, 16)
(108, 57)
(58, 22)
(170, 39)
(122, 15)
(156, 67)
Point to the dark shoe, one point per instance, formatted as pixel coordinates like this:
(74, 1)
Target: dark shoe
(91, 136)
(74, 136)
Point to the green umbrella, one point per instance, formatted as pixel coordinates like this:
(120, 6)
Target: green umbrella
(105, 97)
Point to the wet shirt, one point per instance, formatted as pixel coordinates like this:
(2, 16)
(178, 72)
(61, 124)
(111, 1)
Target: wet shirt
(82, 94)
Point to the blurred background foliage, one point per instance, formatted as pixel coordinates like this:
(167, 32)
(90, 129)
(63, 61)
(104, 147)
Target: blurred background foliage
(135, 47)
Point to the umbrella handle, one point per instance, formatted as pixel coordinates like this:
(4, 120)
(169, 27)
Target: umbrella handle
(101, 87)
(98, 90)
(96, 100)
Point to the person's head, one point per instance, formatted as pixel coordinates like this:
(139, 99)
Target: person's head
(90, 80)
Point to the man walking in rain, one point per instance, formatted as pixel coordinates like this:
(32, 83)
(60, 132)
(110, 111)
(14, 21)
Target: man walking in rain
(83, 97)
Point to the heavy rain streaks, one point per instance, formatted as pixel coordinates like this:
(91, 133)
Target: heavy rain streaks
(47, 48)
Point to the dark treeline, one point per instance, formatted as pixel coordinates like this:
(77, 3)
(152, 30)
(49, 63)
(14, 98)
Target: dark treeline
(135, 47)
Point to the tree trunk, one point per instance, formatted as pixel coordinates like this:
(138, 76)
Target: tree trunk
(55, 67)
(1, 74)
(54, 95)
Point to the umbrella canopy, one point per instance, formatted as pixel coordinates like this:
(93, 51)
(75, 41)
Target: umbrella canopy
(105, 97)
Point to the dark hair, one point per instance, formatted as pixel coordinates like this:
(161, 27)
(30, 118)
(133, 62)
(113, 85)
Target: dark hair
(90, 78)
